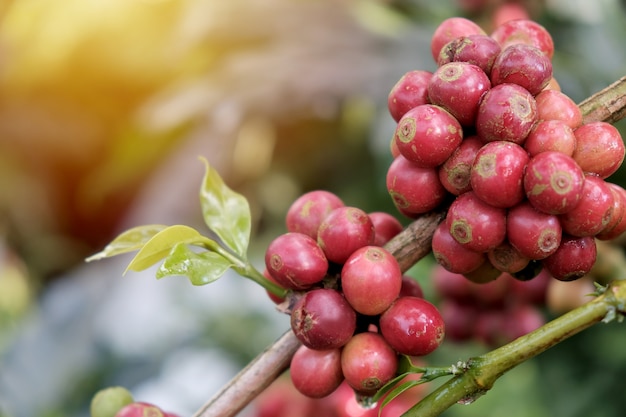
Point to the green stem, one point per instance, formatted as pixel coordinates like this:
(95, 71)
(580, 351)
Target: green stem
(252, 273)
(483, 371)
(244, 268)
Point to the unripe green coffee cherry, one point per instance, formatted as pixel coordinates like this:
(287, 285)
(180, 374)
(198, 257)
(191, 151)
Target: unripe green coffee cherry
(108, 401)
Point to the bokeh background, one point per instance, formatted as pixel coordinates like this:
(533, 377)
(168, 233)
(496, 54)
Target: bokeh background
(105, 106)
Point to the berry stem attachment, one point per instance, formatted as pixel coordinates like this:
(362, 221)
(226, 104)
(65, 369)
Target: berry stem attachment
(483, 371)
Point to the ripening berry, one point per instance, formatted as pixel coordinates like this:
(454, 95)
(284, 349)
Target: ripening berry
(322, 319)
(316, 373)
(343, 231)
(368, 362)
(412, 326)
(308, 211)
(371, 280)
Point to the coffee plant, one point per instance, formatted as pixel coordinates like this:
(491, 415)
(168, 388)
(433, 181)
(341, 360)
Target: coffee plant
(505, 180)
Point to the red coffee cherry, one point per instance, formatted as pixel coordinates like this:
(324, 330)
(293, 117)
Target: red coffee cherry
(308, 211)
(368, 362)
(371, 280)
(553, 182)
(412, 326)
(573, 259)
(343, 231)
(322, 319)
(410, 91)
(295, 261)
(316, 373)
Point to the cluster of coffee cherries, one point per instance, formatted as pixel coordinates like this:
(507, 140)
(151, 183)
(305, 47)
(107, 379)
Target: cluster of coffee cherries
(490, 133)
(351, 306)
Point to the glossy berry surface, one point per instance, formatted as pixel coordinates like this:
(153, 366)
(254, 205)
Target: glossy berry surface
(343, 231)
(371, 280)
(451, 254)
(479, 50)
(427, 135)
(553, 182)
(450, 29)
(535, 234)
(308, 211)
(498, 172)
(316, 373)
(594, 210)
(573, 259)
(599, 148)
(368, 362)
(458, 87)
(523, 65)
(413, 326)
(475, 224)
(506, 112)
(323, 319)
(295, 261)
(454, 173)
(414, 190)
(410, 91)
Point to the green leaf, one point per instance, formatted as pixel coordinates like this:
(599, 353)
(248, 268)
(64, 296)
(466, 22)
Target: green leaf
(160, 245)
(201, 268)
(225, 212)
(128, 241)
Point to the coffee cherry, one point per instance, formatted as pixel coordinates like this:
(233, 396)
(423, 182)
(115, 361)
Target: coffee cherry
(454, 173)
(506, 112)
(550, 135)
(573, 259)
(451, 29)
(308, 211)
(414, 190)
(412, 326)
(555, 105)
(296, 261)
(484, 274)
(368, 362)
(479, 50)
(535, 234)
(371, 280)
(316, 373)
(451, 254)
(459, 319)
(497, 173)
(475, 224)
(599, 148)
(523, 65)
(343, 231)
(386, 227)
(617, 224)
(410, 91)
(553, 182)
(322, 319)
(140, 409)
(427, 135)
(108, 401)
(506, 258)
(410, 287)
(526, 32)
(458, 88)
(594, 210)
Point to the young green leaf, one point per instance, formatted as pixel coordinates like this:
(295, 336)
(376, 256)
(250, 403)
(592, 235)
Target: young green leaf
(225, 212)
(160, 245)
(128, 241)
(201, 268)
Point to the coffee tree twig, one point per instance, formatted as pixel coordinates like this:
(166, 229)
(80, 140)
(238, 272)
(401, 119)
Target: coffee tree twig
(411, 245)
